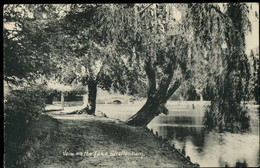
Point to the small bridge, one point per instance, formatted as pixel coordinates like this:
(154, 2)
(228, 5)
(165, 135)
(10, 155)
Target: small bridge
(113, 99)
(117, 100)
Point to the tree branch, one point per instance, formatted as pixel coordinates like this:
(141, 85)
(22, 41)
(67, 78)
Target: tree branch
(173, 88)
(101, 67)
(223, 15)
(141, 12)
(150, 72)
(164, 85)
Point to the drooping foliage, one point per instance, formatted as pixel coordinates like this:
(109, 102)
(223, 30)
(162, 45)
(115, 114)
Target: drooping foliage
(161, 49)
(88, 50)
(135, 47)
(87, 53)
(254, 80)
(229, 86)
(26, 54)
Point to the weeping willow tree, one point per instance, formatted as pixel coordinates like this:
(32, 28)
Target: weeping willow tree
(204, 45)
(229, 86)
(161, 47)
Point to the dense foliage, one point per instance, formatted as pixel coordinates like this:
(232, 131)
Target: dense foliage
(254, 80)
(26, 53)
(230, 85)
(132, 48)
(21, 108)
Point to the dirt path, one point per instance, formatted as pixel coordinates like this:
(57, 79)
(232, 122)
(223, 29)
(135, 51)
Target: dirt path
(88, 141)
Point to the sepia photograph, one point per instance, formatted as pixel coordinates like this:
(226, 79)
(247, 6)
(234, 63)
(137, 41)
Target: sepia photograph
(131, 85)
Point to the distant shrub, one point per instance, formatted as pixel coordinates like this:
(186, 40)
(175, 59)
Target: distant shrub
(235, 119)
(51, 95)
(20, 108)
(98, 101)
(72, 95)
(70, 98)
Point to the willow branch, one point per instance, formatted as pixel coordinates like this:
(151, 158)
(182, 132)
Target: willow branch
(151, 77)
(141, 12)
(173, 88)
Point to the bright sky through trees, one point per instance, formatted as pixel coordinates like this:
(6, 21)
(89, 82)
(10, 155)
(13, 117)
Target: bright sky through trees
(252, 38)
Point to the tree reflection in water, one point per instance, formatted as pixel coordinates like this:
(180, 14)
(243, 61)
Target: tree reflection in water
(208, 148)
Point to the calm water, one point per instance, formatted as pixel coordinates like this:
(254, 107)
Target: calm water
(183, 126)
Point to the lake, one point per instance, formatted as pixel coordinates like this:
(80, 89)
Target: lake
(183, 126)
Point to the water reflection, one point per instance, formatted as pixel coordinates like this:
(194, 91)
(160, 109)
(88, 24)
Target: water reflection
(209, 149)
(183, 126)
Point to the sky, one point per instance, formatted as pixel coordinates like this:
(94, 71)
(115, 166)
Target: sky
(252, 39)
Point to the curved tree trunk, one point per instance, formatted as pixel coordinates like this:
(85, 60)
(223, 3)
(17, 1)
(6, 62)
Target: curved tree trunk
(152, 108)
(157, 97)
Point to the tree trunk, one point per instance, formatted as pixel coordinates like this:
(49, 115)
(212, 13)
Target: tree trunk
(92, 95)
(201, 97)
(152, 108)
(157, 98)
(62, 100)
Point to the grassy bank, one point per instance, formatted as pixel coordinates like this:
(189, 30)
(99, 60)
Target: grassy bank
(88, 141)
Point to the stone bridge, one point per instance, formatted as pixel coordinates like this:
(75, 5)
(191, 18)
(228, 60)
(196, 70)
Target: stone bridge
(116, 99)
(104, 97)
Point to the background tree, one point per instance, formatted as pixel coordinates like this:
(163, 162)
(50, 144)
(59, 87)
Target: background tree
(254, 80)
(25, 51)
(83, 41)
(26, 58)
(230, 86)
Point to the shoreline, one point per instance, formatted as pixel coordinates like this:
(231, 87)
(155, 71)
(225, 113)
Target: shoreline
(97, 141)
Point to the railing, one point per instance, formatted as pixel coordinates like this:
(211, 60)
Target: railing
(70, 103)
